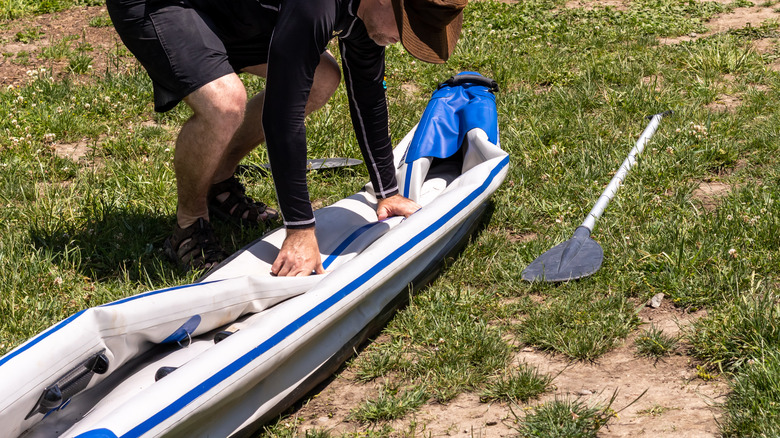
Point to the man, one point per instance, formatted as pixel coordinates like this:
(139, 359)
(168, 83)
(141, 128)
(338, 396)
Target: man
(192, 49)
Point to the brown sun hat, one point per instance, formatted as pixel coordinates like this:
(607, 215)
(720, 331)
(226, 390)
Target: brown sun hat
(429, 29)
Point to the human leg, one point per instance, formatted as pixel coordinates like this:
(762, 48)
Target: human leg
(218, 109)
(250, 134)
(217, 112)
(225, 200)
(187, 60)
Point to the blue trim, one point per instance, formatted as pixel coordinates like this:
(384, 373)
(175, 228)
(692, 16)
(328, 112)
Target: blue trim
(291, 328)
(41, 337)
(97, 433)
(337, 252)
(156, 292)
(63, 323)
(408, 179)
(183, 332)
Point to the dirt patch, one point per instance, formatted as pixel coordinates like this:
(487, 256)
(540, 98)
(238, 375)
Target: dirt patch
(522, 238)
(725, 103)
(736, 19)
(676, 402)
(73, 151)
(709, 193)
(59, 35)
(766, 45)
(656, 81)
(411, 89)
(741, 17)
(620, 5)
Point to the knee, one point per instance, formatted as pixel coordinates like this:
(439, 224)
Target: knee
(326, 81)
(221, 102)
(229, 107)
(328, 74)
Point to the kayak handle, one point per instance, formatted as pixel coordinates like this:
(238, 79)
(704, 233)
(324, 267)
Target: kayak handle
(74, 381)
(467, 78)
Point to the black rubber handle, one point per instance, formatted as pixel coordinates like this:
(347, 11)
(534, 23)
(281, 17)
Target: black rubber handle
(458, 80)
(70, 384)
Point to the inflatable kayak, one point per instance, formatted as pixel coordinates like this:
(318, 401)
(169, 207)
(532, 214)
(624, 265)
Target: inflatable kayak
(220, 357)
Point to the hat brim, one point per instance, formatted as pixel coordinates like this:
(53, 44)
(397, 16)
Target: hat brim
(425, 42)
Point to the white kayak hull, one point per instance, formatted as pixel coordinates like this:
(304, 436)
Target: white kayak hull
(288, 334)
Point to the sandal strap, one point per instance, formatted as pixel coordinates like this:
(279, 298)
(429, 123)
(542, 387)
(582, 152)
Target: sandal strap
(231, 185)
(237, 204)
(196, 246)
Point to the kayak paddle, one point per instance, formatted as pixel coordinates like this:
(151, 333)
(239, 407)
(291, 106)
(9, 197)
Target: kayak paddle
(581, 256)
(314, 164)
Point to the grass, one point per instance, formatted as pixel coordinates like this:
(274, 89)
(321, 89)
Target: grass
(518, 385)
(654, 343)
(575, 86)
(753, 408)
(737, 333)
(581, 327)
(12, 9)
(28, 35)
(100, 21)
(390, 404)
(564, 418)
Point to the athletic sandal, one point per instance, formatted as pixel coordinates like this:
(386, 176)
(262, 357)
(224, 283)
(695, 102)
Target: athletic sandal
(195, 247)
(238, 208)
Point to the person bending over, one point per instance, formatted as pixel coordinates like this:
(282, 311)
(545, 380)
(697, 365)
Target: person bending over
(193, 50)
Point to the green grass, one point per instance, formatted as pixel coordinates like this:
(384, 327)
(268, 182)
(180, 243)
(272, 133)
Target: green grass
(737, 333)
(581, 327)
(11, 9)
(28, 35)
(575, 87)
(753, 408)
(101, 21)
(519, 385)
(390, 404)
(564, 418)
(654, 343)
(440, 343)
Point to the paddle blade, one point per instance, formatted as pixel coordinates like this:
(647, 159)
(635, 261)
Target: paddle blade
(313, 164)
(331, 163)
(575, 258)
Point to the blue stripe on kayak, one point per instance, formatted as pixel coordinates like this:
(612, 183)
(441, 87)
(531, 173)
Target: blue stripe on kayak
(70, 319)
(156, 292)
(291, 328)
(337, 252)
(97, 433)
(408, 179)
(42, 336)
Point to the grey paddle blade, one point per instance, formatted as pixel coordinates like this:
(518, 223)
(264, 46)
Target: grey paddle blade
(330, 163)
(575, 258)
(314, 164)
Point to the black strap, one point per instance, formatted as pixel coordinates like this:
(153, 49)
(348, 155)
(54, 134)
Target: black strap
(70, 384)
(458, 80)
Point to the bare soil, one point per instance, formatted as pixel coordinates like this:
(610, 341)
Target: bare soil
(675, 401)
(664, 398)
(19, 58)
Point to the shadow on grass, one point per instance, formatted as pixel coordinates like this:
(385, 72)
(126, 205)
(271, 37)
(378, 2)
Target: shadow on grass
(123, 245)
(119, 244)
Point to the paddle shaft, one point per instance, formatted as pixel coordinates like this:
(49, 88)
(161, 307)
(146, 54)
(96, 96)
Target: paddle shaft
(628, 163)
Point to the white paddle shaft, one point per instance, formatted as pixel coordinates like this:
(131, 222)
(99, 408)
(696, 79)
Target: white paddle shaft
(609, 192)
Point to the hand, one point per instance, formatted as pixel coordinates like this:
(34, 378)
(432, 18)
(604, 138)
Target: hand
(395, 205)
(299, 256)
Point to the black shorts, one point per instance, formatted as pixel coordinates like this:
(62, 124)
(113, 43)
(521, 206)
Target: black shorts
(185, 44)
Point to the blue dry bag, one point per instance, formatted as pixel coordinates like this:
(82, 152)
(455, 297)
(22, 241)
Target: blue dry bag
(461, 103)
